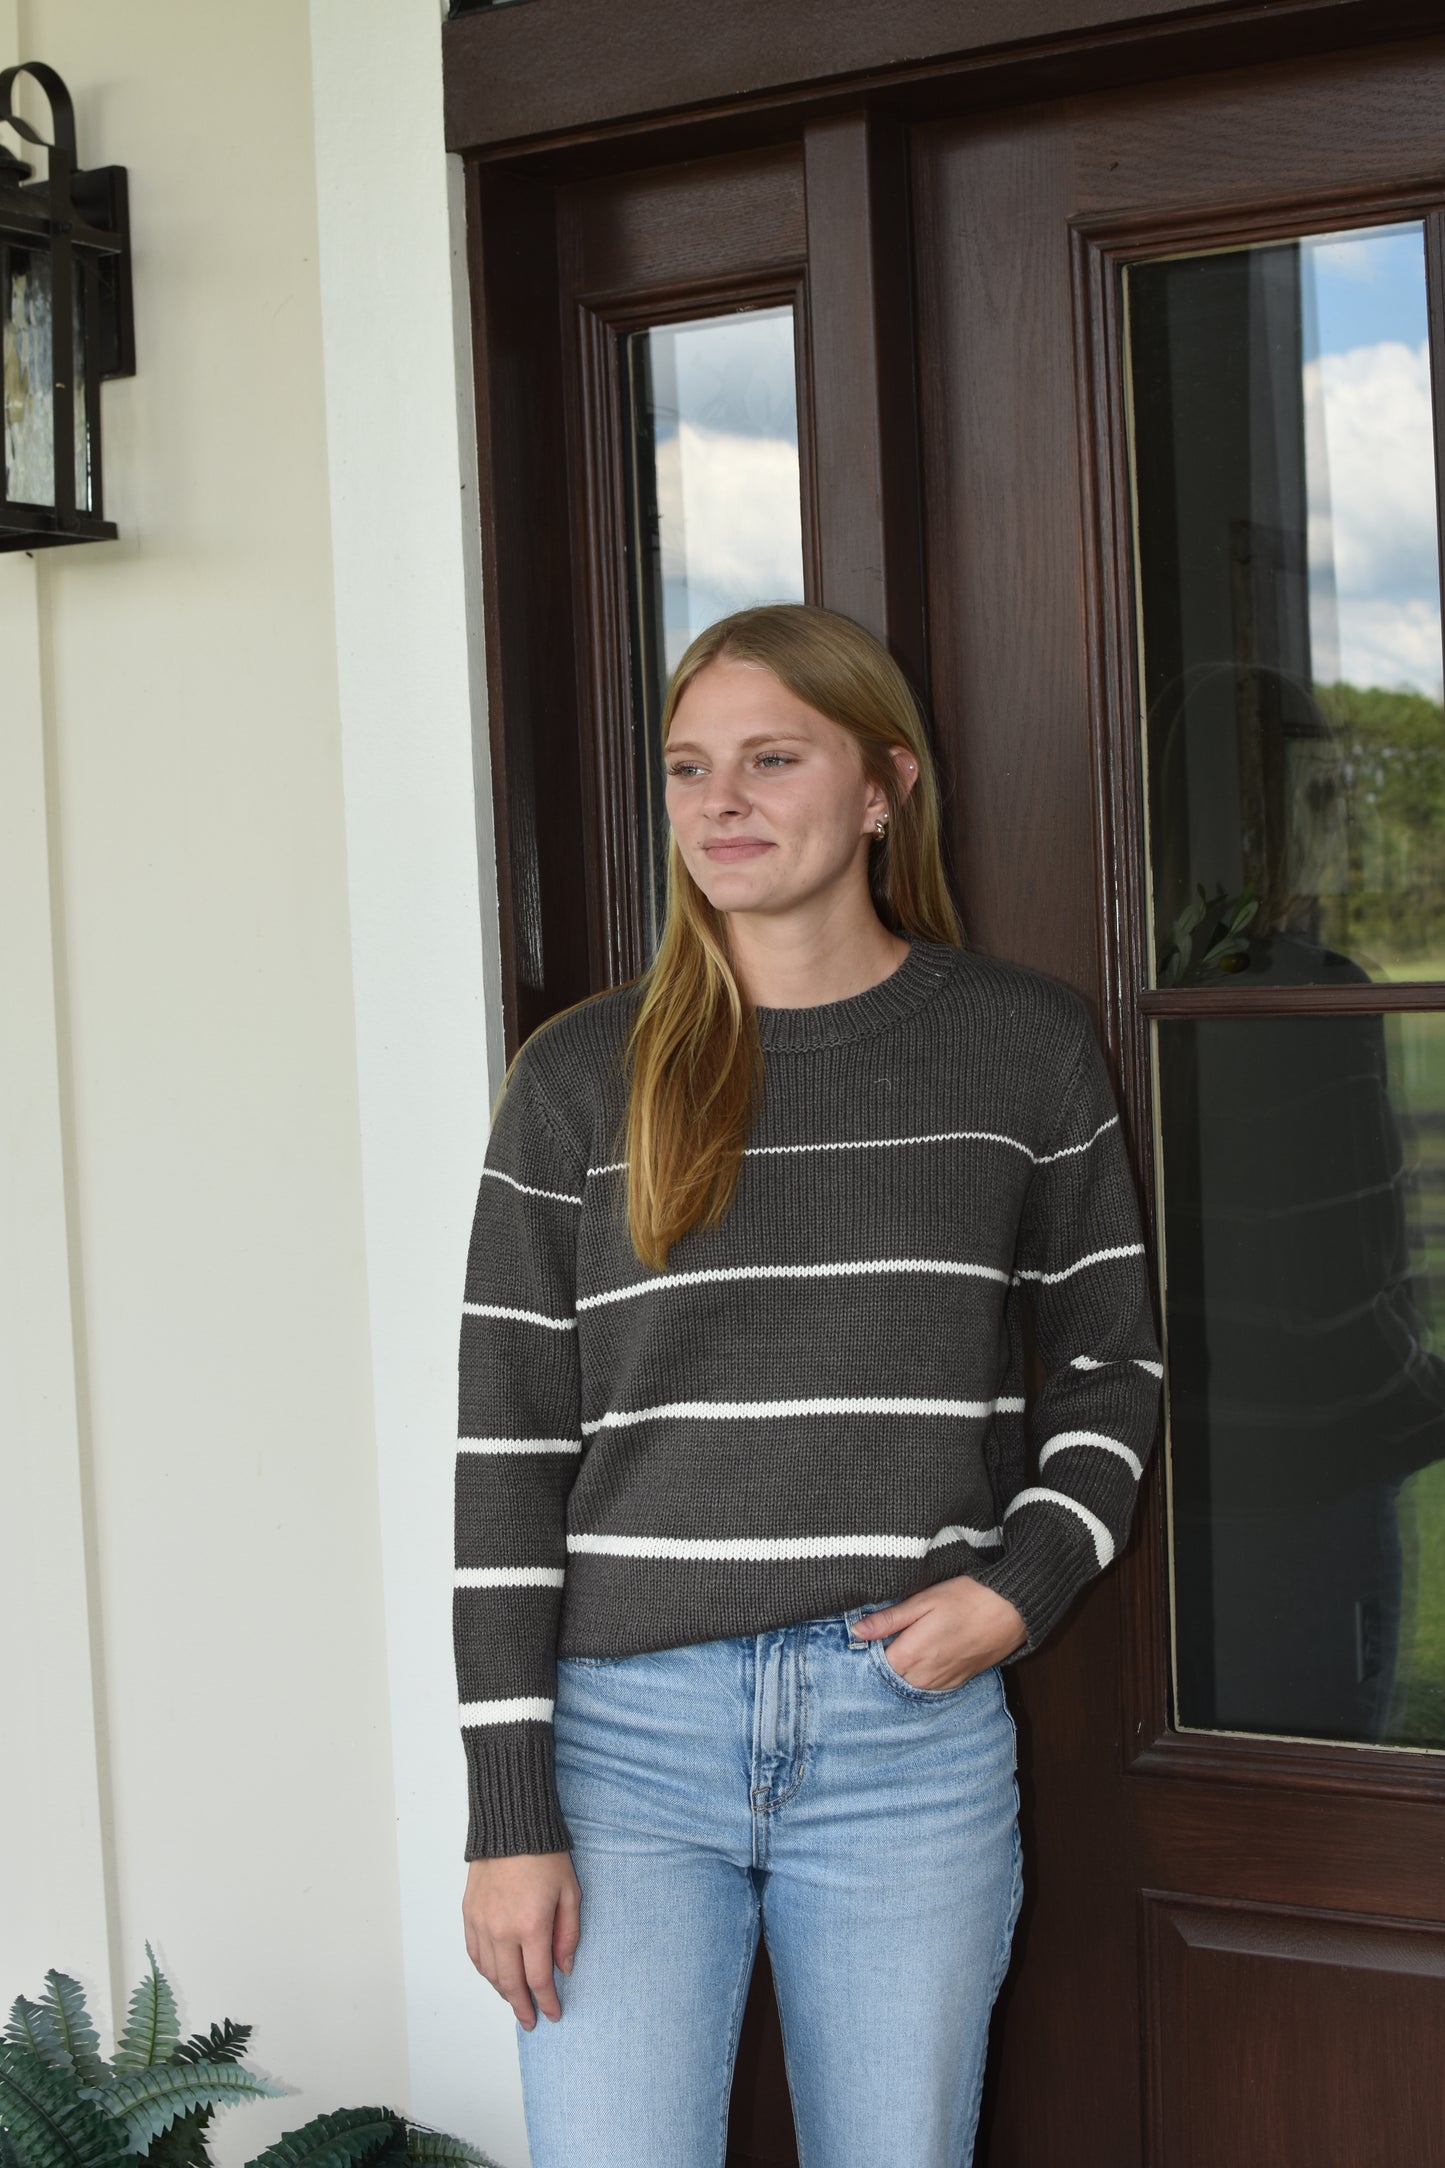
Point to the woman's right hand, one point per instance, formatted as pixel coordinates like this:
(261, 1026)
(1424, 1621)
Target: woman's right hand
(523, 1915)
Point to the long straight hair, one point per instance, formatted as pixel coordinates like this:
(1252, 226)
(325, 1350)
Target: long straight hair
(693, 1059)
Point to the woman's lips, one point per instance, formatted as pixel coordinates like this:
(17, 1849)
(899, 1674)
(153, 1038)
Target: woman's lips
(743, 847)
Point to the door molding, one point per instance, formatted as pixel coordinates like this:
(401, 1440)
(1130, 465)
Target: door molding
(561, 72)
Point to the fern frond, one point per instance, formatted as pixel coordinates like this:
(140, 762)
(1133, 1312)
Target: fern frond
(184, 2144)
(425, 2146)
(225, 2043)
(147, 2100)
(49, 2120)
(152, 2030)
(65, 2003)
(10, 2154)
(339, 2140)
(31, 2027)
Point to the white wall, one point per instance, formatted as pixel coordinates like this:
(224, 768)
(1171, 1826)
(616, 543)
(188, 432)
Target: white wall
(425, 954)
(245, 1082)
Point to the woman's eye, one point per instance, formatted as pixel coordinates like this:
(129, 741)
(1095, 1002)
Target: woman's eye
(692, 767)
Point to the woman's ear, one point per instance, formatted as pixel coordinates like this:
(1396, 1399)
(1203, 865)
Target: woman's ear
(906, 762)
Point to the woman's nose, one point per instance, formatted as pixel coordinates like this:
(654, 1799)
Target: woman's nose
(723, 793)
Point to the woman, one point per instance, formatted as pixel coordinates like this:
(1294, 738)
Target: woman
(744, 1529)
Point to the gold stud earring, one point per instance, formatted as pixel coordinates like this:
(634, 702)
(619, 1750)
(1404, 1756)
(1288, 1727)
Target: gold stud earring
(881, 826)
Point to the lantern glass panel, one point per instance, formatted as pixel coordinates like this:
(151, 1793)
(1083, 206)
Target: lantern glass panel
(29, 379)
(82, 403)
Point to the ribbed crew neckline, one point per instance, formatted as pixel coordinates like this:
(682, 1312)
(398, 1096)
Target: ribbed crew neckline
(832, 1023)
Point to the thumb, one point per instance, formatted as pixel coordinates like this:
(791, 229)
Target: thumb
(890, 1620)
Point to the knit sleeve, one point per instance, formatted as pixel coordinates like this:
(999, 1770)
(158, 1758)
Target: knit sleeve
(518, 1443)
(1081, 1259)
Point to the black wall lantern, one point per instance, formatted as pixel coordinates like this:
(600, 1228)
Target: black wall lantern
(66, 322)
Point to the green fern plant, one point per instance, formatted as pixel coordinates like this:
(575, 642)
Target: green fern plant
(62, 2105)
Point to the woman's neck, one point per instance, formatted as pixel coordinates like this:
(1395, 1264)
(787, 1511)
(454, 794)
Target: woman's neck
(779, 967)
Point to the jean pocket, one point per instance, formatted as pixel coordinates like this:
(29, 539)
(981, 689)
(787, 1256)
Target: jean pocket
(907, 1691)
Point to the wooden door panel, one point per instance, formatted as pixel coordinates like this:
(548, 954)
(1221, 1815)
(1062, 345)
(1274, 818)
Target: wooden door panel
(1283, 2035)
(679, 225)
(1030, 634)
(1321, 1850)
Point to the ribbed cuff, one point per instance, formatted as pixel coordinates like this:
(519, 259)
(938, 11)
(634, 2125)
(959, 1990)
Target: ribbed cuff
(1038, 1583)
(512, 1792)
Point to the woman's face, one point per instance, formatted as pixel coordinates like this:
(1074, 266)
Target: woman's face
(767, 798)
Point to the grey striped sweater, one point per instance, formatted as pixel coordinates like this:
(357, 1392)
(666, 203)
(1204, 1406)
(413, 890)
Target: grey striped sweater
(818, 1403)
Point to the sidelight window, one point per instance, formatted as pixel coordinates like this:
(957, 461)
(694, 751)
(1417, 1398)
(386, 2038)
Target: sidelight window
(1283, 472)
(714, 511)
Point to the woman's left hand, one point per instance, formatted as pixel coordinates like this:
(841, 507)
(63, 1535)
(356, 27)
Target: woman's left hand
(947, 1632)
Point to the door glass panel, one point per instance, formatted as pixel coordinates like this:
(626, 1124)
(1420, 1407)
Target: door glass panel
(715, 518)
(1303, 1162)
(1283, 473)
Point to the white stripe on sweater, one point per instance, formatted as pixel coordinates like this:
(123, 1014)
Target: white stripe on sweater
(760, 1410)
(1091, 1362)
(933, 1136)
(1068, 1151)
(509, 1577)
(792, 1272)
(509, 1711)
(1067, 1438)
(756, 1550)
(519, 1445)
(562, 1196)
(525, 1317)
(1066, 1272)
(1036, 1494)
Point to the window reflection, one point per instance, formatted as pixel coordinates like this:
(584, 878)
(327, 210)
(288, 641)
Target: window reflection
(1304, 1172)
(715, 510)
(1282, 451)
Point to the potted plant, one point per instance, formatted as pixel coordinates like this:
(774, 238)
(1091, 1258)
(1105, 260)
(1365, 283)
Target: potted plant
(62, 2105)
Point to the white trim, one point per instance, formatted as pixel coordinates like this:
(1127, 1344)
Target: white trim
(517, 1708)
(1038, 1494)
(758, 1550)
(425, 944)
(868, 1144)
(509, 1577)
(1095, 1257)
(981, 1539)
(562, 1196)
(932, 1136)
(1067, 1438)
(1069, 1151)
(54, 1706)
(524, 1317)
(519, 1445)
(761, 1410)
(792, 1272)
(1091, 1362)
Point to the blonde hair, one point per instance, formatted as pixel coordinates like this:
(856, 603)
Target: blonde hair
(693, 1057)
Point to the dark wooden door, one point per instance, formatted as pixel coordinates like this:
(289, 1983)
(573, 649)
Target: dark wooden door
(1038, 369)
(1233, 1948)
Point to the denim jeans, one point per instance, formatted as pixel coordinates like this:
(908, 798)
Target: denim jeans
(789, 1783)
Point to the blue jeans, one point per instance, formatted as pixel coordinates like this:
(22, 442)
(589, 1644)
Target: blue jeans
(789, 1782)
